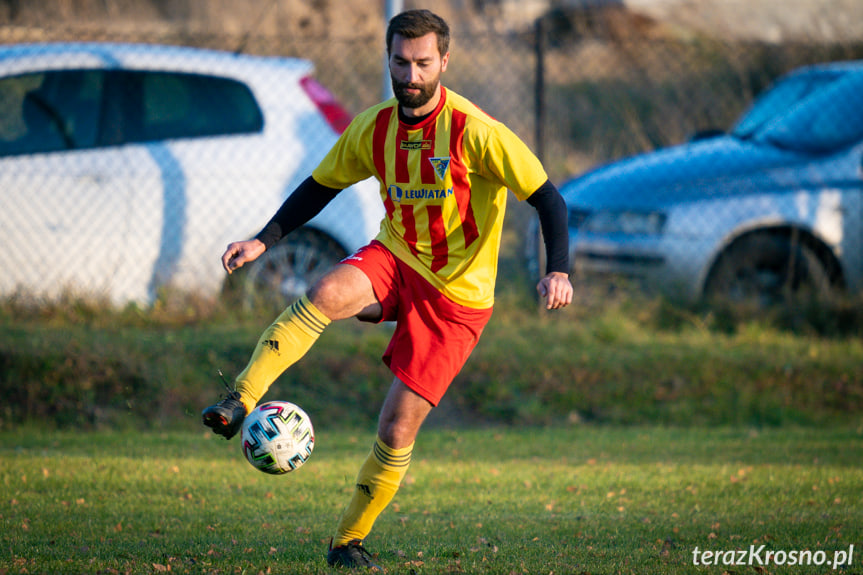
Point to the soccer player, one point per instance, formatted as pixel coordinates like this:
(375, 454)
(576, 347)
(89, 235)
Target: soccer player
(444, 167)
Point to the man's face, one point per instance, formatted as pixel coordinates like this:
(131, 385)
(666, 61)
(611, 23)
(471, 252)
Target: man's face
(415, 69)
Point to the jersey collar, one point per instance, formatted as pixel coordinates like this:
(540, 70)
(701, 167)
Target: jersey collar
(431, 117)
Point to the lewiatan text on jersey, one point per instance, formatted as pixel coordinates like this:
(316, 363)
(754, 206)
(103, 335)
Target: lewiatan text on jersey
(397, 194)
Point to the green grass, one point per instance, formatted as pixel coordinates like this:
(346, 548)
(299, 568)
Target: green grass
(579, 499)
(738, 433)
(635, 363)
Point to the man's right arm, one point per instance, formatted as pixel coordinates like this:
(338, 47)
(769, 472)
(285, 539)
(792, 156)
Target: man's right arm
(305, 203)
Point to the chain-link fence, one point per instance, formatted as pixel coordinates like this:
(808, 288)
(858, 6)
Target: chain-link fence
(785, 192)
(763, 208)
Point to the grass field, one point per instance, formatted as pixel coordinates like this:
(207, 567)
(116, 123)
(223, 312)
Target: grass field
(580, 499)
(629, 438)
(637, 363)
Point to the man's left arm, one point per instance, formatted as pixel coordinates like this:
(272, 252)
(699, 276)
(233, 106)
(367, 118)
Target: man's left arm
(553, 220)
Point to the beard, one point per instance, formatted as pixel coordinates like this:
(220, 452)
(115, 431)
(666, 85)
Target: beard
(413, 101)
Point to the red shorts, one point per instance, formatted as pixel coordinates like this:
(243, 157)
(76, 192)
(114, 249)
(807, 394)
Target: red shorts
(434, 335)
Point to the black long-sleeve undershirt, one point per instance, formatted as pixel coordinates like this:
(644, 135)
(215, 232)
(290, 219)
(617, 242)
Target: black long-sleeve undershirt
(305, 203)
(310, 198)
(554, 222)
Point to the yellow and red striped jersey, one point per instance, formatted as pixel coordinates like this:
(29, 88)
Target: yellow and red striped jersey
(443, 183)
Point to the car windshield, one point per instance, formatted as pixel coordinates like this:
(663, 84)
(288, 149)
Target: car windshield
(815, 113)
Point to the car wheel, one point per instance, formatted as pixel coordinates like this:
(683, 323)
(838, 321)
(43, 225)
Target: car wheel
(288, 269)
(767, 269)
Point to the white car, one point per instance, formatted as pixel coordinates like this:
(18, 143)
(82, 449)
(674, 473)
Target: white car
(126, 169)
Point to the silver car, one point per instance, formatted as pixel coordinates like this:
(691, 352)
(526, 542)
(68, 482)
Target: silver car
(770, 209)
(125, 170)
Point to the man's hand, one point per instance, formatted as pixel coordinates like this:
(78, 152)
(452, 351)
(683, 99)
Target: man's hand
(557, 290)
(239, 253)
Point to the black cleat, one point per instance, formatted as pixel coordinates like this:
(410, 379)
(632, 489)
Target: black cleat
(351, 555)
(226, 417)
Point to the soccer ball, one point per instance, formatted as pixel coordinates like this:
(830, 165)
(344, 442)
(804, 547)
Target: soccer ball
(277, 437)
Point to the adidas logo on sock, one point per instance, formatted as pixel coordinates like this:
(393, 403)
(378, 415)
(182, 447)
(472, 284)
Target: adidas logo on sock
(273, 344)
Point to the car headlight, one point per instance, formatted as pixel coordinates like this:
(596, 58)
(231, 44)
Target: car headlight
(627, 222)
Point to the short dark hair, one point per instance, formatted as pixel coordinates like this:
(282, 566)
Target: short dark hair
(418, 23)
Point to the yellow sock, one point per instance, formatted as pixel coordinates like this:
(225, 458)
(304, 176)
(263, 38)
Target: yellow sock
(377, 483)
(280, 346)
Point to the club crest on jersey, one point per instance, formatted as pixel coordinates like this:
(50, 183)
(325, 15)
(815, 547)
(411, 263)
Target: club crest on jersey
(440, 165)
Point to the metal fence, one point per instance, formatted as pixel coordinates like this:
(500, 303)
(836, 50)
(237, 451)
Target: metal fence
(582, 97)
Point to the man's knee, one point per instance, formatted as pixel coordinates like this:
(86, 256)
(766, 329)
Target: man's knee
(342, 292)
(325, 292)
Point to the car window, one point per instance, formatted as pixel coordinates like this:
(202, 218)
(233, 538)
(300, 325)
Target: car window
(49, 111)
(62, 110)
(779, 100)
(164, 105)
(830, 119)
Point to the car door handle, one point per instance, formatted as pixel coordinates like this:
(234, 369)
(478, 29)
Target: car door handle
(91, 179)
